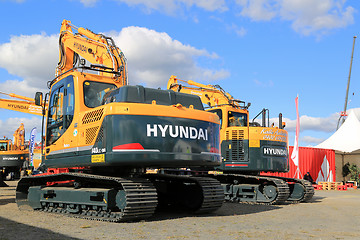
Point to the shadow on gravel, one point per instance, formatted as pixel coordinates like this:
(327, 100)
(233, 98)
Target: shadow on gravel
(227, 209)
(6, 201)
(3, 184)
(316, 199)
(14, 230)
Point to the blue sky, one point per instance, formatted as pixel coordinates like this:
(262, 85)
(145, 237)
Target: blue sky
(261, 51)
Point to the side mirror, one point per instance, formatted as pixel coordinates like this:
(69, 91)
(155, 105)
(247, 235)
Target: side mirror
(38, 98)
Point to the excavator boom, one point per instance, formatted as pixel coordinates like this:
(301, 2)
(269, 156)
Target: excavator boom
(212, 95)
(26, 105)
(94, 48)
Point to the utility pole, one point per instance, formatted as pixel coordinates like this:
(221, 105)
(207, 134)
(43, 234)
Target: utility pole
(343, 114)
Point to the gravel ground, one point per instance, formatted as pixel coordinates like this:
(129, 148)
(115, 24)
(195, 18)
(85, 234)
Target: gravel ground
(330, 215)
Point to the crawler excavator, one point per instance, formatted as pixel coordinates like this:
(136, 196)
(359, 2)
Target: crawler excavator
(12, 155)
(248, 148)
(102, 134)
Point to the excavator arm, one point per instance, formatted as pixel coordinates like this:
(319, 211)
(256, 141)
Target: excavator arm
(25, 105)
(95, 48)
(19, 137)
(212, 95)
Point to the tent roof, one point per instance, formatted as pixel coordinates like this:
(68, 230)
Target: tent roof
(347, 138)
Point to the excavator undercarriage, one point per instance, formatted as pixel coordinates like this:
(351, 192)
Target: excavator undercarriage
(117, 199)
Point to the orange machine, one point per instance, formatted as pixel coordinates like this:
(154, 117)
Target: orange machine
(247, 148)
(13, 154)
(101, 135)
(22, 104)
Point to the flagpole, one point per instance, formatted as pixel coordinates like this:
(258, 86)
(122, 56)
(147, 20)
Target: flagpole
(295, 153)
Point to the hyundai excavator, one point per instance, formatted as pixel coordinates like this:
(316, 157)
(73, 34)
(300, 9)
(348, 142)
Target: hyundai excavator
(12, 155)
(102, 134)
(248, 148)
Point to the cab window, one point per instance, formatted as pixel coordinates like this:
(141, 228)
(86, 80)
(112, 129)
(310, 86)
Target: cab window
(95, 91)
(236, 119)
(3, 146)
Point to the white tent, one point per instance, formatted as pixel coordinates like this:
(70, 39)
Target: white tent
(347, 138)
(346, 143)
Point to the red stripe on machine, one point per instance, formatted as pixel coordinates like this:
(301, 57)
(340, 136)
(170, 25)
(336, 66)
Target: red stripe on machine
(236, 165)
(128, 146)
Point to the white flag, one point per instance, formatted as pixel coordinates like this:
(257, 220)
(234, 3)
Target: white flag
(295, 153)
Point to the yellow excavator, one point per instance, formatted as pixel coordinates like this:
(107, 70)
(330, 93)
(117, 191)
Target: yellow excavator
(101, 135)
(248, 148)
(12, 155)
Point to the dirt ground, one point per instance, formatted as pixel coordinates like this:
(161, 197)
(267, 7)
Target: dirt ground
(330, 215)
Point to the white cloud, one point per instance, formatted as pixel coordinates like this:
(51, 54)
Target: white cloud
(307, 16)
(20, 87)
(309, 125)
(88, 3)
(171, 6)
(8, 127)
(258, 10)
(240, 31)
(168, 6)
(152, 58)
(312, 140)
(33, 58)
(327, 124)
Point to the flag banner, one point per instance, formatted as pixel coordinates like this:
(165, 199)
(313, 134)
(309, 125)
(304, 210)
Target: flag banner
(32, 146)
(295, 153)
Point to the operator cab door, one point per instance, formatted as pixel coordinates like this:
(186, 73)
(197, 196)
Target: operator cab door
(60, 112)
(238, 135)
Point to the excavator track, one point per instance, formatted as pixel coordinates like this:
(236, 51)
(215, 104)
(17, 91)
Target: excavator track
(253, 189)
(300, 190)
(137, 197)
(309, 193)
(194, 194)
